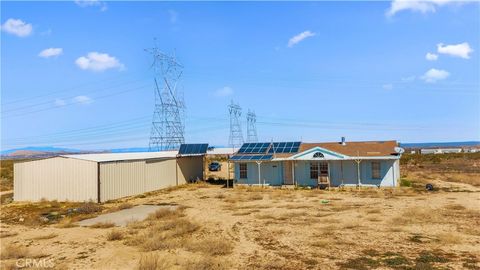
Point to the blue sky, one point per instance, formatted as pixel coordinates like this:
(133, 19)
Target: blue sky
(75, 74)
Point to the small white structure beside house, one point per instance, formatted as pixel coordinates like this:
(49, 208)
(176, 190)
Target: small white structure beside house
(440, 150)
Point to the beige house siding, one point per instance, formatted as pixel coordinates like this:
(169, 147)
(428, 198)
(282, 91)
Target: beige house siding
(55, 179)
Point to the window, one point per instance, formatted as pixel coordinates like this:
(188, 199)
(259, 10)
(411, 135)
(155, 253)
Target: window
(314, 170)
(318, 155)
(323, 169)
(243, 170)
(376, 170)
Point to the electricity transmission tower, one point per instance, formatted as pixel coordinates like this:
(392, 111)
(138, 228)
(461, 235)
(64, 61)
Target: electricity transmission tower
(168, 124)
(236, 135)
(251, 127)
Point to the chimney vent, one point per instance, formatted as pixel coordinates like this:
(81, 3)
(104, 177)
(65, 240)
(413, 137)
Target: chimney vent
(343, 141)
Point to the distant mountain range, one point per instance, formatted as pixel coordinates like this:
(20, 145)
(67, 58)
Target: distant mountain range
(48, 151)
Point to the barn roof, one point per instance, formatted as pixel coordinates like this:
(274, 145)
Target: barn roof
(106, 157)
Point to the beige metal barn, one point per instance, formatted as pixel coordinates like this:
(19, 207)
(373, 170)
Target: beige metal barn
(102, 177)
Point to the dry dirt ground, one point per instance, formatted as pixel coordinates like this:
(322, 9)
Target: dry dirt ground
(254, 228)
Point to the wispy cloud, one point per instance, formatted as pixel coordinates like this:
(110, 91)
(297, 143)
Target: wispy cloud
(173, 15)
(433, 75)
(422, 6)
(224, 92)
(408, 79)
(50, 52)
(92, 3)
(84, 100)
(462, 50)
(17, 27)
(387, 86)
(60, 102)
(95, 61)
(431, 56)
(298, 38)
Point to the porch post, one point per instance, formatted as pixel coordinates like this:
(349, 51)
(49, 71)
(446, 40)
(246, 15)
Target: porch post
(341, 169)
(259, 175)
(293, 173)
(358, 171)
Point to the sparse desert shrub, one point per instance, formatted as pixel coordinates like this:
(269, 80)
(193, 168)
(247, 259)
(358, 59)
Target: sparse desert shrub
(67, 223)
(211, 246)
(360, 263)
(154, 262)
(14, 252)
(431, 257)
(405, 182)
(115, 235)
(449, 238)
(220, 196)
(255, 196)
(89, 208)
(103, 225)
(124, 205)
(205, 263)
(166, 213)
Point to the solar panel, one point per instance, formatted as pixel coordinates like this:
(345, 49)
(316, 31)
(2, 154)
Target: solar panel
(254, 148)
(251, 157)
(193, 149)
(284, 147)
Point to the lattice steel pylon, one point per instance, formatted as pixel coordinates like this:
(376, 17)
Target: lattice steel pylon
(236, 136)
(168, 124)
(251, 127)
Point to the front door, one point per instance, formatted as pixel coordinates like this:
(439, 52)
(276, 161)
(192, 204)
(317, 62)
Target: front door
(287, 173)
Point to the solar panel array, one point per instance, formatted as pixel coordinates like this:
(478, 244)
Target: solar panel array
(193, 149)
(284, 147)
(253, 148)
(251, 157)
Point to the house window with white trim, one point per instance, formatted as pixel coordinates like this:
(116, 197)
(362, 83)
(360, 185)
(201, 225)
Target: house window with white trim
(376, 170)
(243, 170)
(314, 170)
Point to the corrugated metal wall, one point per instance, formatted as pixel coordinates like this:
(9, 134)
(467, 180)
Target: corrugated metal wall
(160, 174)
(55, 179)
(121, 178)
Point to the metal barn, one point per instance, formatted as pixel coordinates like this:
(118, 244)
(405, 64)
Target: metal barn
(103, 177)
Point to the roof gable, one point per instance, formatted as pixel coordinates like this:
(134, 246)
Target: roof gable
(313, 154)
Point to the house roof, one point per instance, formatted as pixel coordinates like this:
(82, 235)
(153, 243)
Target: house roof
(106, 157)
(364, 149)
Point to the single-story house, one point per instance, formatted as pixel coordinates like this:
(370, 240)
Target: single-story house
(372, 163)
(106, 176)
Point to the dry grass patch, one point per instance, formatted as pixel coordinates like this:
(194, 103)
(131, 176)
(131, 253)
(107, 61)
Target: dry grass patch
(167, 213)
(45, 237)
(4, 234)
(125, 205)
(211, 246)
(67, 223)
(255, 196)
(153, 261)
(418, 216)
(14, 252)
(115, 235)
(102, 225)
(449, 238)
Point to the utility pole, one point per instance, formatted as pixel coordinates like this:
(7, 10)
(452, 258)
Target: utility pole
(251, 127)
(168, 123)
(236, 136)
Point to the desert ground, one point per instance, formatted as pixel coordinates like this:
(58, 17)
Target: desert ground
(213, 227)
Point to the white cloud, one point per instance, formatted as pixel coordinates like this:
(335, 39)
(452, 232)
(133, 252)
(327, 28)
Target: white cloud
(173, 15)
(460, 50)
(387, 86)
(60, 102)
(50, 52)
(92, 3)
(82, 100)
(434, 75)
(422, 6)
(431, 56)
(17, 27)
(296, 39)
(224, 92)
(408, 79)
(95, 61)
